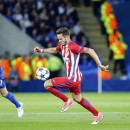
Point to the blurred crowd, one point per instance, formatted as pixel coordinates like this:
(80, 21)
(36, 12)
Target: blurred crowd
(41, 18)
(25, 67)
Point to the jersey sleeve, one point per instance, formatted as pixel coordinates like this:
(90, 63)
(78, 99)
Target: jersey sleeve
(75, 48)
(58, 47)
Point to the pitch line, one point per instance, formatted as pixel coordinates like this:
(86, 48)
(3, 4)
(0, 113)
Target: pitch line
(64, 113)
(76, 113)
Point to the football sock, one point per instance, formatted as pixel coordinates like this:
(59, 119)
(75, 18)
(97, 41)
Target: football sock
(86, 104)
(58, 93)
(11, 97)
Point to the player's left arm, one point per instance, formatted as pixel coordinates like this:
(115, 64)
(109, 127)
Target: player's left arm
(93, 54)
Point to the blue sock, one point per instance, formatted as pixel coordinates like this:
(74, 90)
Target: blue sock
(11, 97)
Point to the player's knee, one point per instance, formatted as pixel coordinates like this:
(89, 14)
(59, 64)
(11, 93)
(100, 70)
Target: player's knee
(46, 84)
(75, 99)
(3, 94)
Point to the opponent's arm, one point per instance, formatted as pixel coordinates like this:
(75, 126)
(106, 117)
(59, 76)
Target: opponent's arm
(48, 50)
(93, 54)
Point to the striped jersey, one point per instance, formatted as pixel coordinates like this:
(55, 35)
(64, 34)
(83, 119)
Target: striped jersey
(71, 54)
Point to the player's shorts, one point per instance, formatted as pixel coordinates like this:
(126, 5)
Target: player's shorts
(2, 83)
(64, 82)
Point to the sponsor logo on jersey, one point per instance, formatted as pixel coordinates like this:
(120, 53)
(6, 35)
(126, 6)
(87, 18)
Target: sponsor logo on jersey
(0, 82)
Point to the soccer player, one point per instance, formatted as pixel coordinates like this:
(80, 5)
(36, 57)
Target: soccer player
(9, 95)
(71, 53)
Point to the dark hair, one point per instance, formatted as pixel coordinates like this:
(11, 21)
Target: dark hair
(64, 31)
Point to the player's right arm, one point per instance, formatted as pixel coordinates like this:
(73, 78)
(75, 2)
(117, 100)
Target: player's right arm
(48, 50)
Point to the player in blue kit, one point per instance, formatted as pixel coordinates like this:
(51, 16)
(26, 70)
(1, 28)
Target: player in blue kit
(9, 95)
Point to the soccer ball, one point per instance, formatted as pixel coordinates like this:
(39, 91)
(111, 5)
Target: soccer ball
(42, 73)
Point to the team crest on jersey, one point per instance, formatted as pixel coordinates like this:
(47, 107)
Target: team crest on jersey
(66, 59)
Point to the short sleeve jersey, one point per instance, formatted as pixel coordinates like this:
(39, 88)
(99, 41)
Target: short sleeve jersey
(71, 54)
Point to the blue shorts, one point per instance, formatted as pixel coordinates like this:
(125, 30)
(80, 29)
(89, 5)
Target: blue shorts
(2, 83)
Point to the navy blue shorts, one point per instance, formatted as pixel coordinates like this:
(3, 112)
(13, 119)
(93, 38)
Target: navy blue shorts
(2, 83)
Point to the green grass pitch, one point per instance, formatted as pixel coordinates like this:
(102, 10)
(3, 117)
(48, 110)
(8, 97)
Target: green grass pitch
(42, 112)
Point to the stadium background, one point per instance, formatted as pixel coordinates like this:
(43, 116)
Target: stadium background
(26, 24)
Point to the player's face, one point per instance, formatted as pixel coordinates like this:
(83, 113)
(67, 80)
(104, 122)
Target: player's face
(62, 39)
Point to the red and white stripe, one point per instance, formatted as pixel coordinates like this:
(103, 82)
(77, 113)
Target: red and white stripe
(73, 62)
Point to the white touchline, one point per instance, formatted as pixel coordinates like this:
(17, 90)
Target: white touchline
(65, 113)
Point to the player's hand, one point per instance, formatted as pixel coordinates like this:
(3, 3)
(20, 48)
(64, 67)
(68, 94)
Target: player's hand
(105, 68)
(37, 49)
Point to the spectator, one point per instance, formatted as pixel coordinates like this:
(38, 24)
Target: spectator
(46, 41)
(77, 28)
(17, 7)
(84, 42)
(13, 80)
(34, 34)
(51, 35)
(69, 9)
(61, 9)
(25, 70)
(86, 60)
(58, 25)
(43, 14)
(112, 38)
(74, 38)
(54, 65)
(2, 10)
(80, 35)
(17, 16)
(30, 29)
(24, 23)
(5, 64)
(26, 13)
(10, 4)
(39, 4)
(52, 18)
(118, 49)
(9, 14)
(42, 29)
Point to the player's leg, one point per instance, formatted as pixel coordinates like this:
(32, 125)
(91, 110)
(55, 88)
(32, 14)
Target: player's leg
(55, 91)
(11, 97)
(53, 85)
(86, 104)
(76, 95)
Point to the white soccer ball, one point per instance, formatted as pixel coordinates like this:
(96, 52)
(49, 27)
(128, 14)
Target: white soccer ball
(42, 73)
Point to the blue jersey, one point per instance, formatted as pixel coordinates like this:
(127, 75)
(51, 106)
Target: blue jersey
(1, 73)
(2, 79)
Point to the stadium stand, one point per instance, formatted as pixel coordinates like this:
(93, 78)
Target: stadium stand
(40, 19)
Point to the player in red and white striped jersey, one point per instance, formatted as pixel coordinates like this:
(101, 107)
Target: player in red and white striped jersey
(71, 53)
